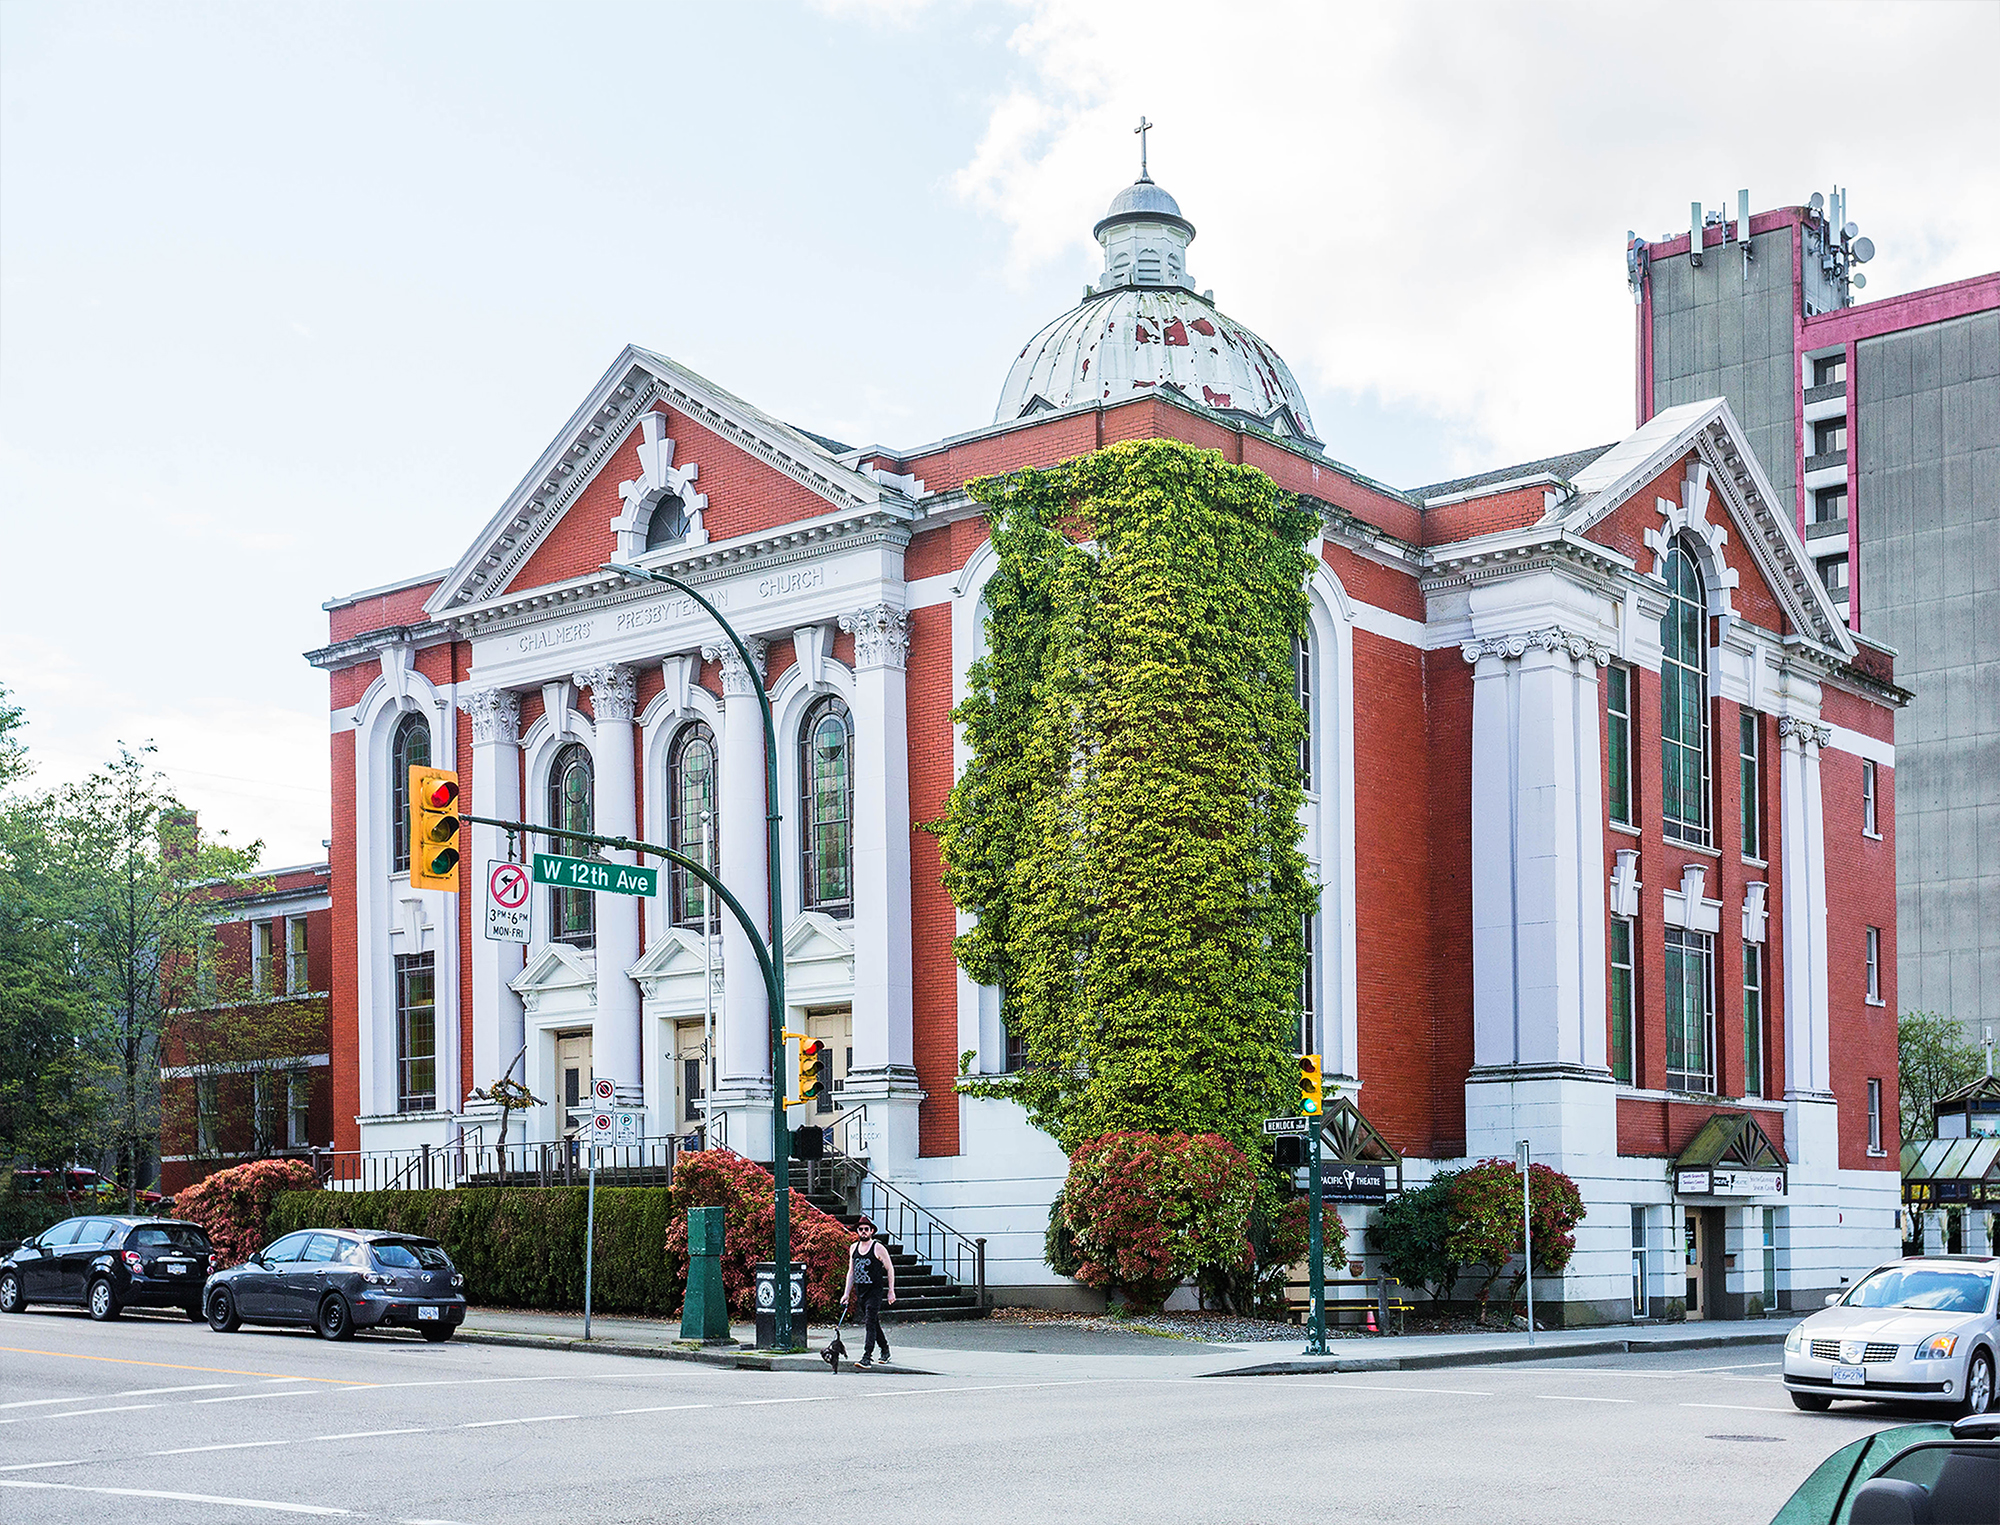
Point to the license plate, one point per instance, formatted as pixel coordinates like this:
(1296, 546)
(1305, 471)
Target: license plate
(174, 1270)
(424, 1313)
(1849, 1376)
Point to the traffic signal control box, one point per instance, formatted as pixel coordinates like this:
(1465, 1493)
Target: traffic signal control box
(1310, 1094)
(434, 826)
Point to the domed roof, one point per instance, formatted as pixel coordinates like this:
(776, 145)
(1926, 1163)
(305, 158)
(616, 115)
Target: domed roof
(1142, 327)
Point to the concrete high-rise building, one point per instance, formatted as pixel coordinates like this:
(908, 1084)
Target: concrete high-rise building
(1880, 424)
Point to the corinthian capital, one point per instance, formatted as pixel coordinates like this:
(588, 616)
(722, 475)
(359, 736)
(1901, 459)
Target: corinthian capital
(613, 691)
(495, 714)
(737, 680)
(881, 636)
(1554, 639)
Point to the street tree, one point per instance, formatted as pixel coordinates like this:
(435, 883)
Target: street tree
(1933, 1059)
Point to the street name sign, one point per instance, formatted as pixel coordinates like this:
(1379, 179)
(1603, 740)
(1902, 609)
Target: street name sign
(507, 902)
(1282, 1125)
(591, 874)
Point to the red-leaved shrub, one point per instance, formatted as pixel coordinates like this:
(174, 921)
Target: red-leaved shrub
(743, 1190)
(1146, 1210)
(233, 1204)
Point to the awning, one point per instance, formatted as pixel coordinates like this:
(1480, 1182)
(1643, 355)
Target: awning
(1944, 1170)
(1730, 1156)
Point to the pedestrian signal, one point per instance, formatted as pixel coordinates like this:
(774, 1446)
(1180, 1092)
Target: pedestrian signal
(812, 1070)
(433, 829)
(1309, 1085)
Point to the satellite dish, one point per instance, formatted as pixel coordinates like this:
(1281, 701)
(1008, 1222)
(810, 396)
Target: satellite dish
(1860, 279)
(1849, 230)
(1818, 202)
(1864, 250)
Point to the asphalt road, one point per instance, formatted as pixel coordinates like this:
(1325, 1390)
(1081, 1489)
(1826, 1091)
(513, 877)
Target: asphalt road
(157, 1419)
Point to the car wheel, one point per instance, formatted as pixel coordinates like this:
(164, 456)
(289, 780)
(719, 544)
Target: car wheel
(1979, 1383)
(1812, 1403)
(335, 1322)
(103, 1302)
(437, 1334)
(10, 1294)
(222, 1315)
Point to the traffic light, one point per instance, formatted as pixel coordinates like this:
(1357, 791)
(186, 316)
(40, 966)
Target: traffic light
(433, 829)
(1309, 1084)
(812, 1070)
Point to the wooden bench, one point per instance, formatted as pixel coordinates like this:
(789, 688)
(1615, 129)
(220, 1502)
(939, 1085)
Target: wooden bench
(1382, 1296)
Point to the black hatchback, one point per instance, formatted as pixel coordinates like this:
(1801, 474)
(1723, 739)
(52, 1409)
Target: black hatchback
(340, 1280)
(109, 1264)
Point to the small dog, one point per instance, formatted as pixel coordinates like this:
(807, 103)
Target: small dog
(834, 1348)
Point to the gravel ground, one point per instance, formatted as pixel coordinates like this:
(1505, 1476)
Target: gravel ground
(1228, 1328)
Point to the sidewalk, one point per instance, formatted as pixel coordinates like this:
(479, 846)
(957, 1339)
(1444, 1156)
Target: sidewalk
(986, 1348)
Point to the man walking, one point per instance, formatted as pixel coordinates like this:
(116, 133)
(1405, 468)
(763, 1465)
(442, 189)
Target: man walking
(872, 1274)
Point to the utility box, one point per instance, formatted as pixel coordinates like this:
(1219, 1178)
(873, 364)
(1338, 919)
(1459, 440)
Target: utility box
(705, 1313)
(767, 1305)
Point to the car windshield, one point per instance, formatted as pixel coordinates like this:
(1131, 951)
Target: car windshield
(1826, 1496)
(1923, 1287)
(160, 1236)
(409, 1256)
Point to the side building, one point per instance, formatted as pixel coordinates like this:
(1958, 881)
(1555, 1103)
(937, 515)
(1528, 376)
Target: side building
(1585, 797)
(1879, 422)
(248, 1074)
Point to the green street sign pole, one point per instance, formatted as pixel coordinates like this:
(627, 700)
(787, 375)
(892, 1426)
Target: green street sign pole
(1316, 1328)
(781, 1137)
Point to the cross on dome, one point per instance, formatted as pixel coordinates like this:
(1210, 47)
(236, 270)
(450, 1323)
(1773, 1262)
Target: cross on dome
(1142, 129)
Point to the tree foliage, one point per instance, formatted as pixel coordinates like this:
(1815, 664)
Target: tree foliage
(1933, 1059)
(1126, 833)
(1486, 1221)
(1413, 1235)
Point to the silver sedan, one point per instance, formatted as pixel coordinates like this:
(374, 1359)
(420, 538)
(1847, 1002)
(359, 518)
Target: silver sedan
(1923, 1330)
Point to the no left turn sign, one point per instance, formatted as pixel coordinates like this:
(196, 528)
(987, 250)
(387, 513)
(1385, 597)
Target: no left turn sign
(507, 902)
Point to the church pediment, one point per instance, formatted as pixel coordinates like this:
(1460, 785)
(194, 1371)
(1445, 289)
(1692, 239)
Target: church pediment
(559, 972)
(606, 473)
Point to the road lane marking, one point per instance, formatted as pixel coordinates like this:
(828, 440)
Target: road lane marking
(179, 1498)
(220, 1371)
(297, 1392)
(487, 1424)
(148, 1392)
(119, 1408)
(1581, 1398)
(30, 1466)
(369, 1434)
(35, 1403)
(233, 1445)
(665, 1408)
(1385, 1387)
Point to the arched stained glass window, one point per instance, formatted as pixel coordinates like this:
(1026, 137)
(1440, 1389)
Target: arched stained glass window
(690, 796)
(1684, 701)
(826, 813)
(572, 913)
(409, 748)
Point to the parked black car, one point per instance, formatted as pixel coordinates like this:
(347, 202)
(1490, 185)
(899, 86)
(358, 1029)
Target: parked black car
(109, 1264)
(340, 1280)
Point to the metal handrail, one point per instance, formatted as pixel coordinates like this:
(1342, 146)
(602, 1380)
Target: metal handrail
(921, 1232)
(554, 1162)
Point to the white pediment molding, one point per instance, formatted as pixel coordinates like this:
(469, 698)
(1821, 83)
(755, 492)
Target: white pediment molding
(557, 975)
(670, 969)
(636, 382)
(819, 961)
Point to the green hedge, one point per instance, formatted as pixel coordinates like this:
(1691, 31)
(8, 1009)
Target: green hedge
(519, 1248)
(23, 1215)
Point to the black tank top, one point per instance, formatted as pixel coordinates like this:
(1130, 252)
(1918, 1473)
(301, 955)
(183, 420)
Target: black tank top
(867, 1266)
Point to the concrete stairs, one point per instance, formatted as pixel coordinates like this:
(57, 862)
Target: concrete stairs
(921, 1293)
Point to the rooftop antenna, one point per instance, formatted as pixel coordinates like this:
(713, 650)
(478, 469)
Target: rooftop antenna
(1142, 129)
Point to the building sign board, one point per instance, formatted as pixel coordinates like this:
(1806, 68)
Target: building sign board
(1730, 1182)
(1354, 1183)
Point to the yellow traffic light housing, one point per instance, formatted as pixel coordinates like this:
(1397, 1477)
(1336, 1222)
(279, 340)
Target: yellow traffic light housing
(433, 829)
(812, 1070)
(1310, 1094)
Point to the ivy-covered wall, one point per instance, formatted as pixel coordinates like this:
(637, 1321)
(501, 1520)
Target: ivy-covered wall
(1127, 830)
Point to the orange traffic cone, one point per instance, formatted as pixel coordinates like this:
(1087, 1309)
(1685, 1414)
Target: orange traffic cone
(1371, 1322)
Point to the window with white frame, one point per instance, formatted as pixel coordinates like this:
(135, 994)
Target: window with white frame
(1618, 740)
(1875, 1117)
(266, 972)
(416, 1032)
(1753, 1019)
(1309, 986)
(1751, 766)
(1684, 701)
(1690, 989)
(298, 1109)
(1874, 935)
(1302, 689)
(298, 971)
(1624, 1060)
(267, 1103)
(409, 748)
(1868, 798)
(572, 806)
(691, 821)
(207, 1114)
(826, 808)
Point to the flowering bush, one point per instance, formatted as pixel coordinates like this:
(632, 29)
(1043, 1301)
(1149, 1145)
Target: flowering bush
(1146, 1210)
(743, 1190)
(1486, 1220)
(232, 1205)
(1278, 1237)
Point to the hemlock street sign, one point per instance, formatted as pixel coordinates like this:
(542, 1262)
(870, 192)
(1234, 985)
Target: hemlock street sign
(592, 874)
(1281, 1125)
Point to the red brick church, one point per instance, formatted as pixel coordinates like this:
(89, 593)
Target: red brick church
(1600, 793)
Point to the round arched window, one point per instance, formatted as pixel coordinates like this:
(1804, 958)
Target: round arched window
(826, 807)
(692, 827)
(1684, 700)
(572, 917)
(409, 748)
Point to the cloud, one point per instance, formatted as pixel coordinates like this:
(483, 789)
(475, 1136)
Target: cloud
(1425, 206)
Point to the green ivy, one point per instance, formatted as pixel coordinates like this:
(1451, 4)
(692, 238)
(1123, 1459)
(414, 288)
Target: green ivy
(1127, 830)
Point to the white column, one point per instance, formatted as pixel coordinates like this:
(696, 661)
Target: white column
(1804, 870)
(615, 1047)
(883, 1077)
(498, 1025)
(744, 1094)
(1495, 1040)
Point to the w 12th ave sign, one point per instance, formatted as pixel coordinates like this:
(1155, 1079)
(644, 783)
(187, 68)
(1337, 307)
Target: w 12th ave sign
(590, 874)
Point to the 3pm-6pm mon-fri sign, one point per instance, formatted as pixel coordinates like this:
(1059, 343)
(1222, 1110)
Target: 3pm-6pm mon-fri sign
(591, 874)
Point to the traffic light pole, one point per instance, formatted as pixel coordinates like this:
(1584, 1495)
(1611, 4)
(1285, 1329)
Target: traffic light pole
(781, 1137)
(1316, 1328)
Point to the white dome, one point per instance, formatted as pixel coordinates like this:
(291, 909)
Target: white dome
(1141, 327)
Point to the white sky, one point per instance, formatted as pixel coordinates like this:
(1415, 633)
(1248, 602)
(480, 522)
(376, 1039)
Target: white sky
(291, 295)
